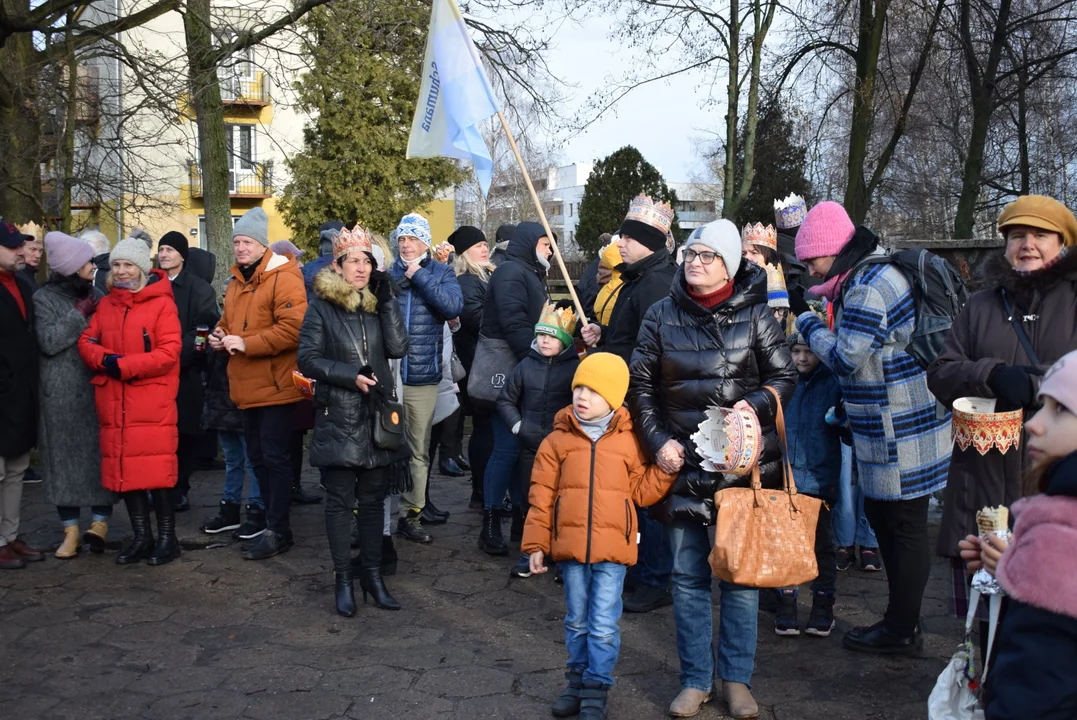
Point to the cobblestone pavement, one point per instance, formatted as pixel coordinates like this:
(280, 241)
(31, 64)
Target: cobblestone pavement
(214, 636)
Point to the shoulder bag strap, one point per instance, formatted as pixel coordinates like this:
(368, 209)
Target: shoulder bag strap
(1017, 328)
(779, 421)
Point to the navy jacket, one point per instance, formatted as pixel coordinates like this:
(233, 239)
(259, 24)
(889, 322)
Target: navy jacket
(516, 293)
(311, 269)
(538, 388)
(428, 299)
(815, 446)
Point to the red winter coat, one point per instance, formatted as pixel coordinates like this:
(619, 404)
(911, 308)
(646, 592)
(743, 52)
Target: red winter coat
(137, 413)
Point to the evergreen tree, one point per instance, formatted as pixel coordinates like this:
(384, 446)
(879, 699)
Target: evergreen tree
(615, 180)
(361, 88)
(780, 165)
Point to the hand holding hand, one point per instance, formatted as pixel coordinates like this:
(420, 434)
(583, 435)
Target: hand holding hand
(970, 553)
(234, 344)
(536, 562)
(364, 383)
(87, 305)
(671, 457)
(592, 334)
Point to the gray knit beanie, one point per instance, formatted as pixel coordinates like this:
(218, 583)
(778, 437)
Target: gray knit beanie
(133, 250)
(254, 224)
(722, 237)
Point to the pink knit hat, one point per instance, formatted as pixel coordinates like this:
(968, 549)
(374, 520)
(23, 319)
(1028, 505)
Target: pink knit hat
(66, 254)
(825, 231)
(1060, 382)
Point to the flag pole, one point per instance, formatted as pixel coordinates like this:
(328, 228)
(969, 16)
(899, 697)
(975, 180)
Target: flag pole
(542, 218)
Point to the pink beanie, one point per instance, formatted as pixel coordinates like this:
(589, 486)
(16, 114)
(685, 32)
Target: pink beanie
(1060, 382)
(825, 231)
(66, 254)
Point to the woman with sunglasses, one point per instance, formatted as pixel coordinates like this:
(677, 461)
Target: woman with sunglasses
(713, 342)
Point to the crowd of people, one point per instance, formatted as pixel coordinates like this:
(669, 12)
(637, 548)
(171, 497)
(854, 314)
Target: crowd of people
(122, 372)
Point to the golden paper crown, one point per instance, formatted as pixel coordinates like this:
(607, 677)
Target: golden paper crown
(759, 235)
(355, 239)
(656, 214)
(32, 229)
(777, 295)
(559, 322)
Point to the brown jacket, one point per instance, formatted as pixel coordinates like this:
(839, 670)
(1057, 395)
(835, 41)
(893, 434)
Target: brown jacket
(982, 338)
(583, 494)
(267, 313)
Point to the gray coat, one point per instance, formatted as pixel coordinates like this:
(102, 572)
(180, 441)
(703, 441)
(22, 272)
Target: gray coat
(68, 427)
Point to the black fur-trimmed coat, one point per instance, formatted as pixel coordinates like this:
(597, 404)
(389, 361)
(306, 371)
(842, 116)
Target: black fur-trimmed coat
(982, 338)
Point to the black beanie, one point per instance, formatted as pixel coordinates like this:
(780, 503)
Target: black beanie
(466, 237)
(504, 233)
(177, 241)
(650, 237)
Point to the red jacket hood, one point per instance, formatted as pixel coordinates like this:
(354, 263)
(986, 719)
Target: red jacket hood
(1040, 566)
(162, 287)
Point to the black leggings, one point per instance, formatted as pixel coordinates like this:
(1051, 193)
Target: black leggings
(479, 448)
(344, 487)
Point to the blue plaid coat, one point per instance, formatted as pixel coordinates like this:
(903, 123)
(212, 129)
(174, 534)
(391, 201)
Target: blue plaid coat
(902, 446)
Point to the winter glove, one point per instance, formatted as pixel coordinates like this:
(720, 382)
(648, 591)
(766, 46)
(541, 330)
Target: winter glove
(564, 304)
(86, 306)
(112, 366)
(1013, 387)
(797, 303)
(381, 286)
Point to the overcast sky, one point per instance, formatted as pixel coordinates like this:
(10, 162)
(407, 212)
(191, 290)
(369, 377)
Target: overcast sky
(663, 119)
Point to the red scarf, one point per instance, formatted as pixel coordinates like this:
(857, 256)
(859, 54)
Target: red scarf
(714, 299)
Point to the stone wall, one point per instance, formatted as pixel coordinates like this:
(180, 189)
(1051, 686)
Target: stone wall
(968, 256)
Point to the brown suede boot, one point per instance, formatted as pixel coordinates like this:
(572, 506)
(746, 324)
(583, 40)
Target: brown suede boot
(71, 546)
(95, 536)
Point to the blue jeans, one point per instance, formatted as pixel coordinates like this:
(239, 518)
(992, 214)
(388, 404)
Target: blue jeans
(69, 515)
(499, 470)
(234, 445)
(692, 614)
(593, 609)
(851, 526)
(655, 556)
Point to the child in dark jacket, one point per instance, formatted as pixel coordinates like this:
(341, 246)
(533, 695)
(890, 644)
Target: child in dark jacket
(815, 455)
(538, 388)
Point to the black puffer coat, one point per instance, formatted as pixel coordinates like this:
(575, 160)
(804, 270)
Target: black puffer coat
(645, 283)
(343, 425)
(197, 305)
(689, 358)
(516, 293)
(538, 388)
(218, 410)
(467, 337)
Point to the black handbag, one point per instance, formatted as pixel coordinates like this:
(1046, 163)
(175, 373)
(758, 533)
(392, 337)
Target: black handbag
(388, 412)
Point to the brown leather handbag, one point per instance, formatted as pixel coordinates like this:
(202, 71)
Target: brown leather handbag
(766, 538)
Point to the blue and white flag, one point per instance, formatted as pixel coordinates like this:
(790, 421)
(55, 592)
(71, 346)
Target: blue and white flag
(455, 96)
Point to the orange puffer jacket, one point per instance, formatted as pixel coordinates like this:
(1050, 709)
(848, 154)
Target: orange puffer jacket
(267, 313)
(583, 493)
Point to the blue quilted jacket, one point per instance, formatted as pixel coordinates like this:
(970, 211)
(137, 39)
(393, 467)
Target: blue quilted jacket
(428, 299)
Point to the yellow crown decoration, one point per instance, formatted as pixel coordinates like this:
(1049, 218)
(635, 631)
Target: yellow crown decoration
(355, 239)
(558, 322)
(32, 229)
(759, 235)
(658, 215)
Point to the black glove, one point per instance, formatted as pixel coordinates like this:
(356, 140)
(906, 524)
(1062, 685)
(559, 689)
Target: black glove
(1013, 387)
(797, 303)
(381, 286)
(112, 366)
(564, 304)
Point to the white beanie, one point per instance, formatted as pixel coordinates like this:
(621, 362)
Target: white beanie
(722, 237)
(134, 251)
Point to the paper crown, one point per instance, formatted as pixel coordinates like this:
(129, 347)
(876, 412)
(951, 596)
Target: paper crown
(355, 239)
(558, 322)
(656, 214)
(32, 229)
(759, 235)
(790, 213)
(777, 294)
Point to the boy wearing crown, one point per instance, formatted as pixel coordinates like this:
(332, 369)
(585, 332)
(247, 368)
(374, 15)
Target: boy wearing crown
(539, 387)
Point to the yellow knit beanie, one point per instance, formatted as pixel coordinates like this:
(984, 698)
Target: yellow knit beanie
(606, 374)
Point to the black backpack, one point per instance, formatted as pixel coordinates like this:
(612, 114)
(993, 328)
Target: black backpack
(938, 292)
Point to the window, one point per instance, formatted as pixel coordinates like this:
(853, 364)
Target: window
(202, 240)
(241, 151)
(570, 209)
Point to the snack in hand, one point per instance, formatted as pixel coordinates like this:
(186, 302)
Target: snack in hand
(993, 519)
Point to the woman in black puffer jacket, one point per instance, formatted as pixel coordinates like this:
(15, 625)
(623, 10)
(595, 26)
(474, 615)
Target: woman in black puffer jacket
(712, 342)
(352, 328)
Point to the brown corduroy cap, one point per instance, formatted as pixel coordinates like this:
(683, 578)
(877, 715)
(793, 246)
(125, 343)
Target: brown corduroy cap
(1040, 211)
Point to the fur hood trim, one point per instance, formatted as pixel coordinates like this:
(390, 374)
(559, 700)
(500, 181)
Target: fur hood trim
(1000, 274)
(331, 287)
(1040, 568)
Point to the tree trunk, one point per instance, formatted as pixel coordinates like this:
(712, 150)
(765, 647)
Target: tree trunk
(751, 121)
(982, 90)
(20, 125)
(732, 100)
(66, 157)
(212, 138)
(869, 41)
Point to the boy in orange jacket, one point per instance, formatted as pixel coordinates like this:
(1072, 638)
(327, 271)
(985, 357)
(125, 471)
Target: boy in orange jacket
(588, 475)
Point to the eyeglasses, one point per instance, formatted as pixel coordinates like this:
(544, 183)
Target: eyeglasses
(704, 257)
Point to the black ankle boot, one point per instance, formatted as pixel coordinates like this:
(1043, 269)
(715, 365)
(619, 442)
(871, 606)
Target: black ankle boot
(168, 548)
(567, 703)
(371, 582)
(490, 539)
(345, 594)
(388, 556)
(141, 544)
(593, 701)
(516, 530)
(302, 497)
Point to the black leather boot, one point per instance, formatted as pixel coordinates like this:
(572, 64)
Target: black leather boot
(410, 528)
(168, 548)
(301, 496)
(141, 543)
(371, 582)
(567, 703)
(516, 530)
(490, 539)
(593, 701)
(345, 594)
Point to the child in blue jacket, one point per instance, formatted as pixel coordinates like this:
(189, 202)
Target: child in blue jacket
(815, 454)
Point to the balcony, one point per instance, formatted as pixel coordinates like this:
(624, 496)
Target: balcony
(245, 91)
(253, 183)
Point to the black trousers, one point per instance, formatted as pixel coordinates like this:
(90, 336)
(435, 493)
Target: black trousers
(443, 438)
(901, 529)
(479, 448)
(296, 451)
(344, 488)
(186, 454)
(268, 431)
(826, 555)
